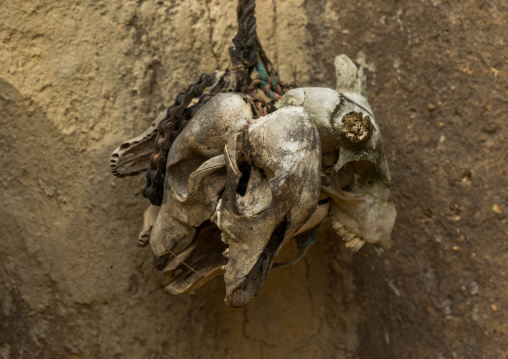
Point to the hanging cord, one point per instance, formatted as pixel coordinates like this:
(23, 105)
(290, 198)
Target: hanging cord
(168, 129)
(303, 244)
(246, 55)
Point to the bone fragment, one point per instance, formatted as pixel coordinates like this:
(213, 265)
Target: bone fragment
(133, 156)
(355, 244)
(149, 218)
(348, 237)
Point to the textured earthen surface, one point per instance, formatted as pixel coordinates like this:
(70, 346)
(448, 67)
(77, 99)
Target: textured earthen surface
(78, 79)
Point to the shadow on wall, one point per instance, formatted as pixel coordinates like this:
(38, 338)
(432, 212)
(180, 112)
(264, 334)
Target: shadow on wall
(75, 283)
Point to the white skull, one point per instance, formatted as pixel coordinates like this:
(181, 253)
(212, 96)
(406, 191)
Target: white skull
(243, 186)
(355, 173)
(195, 178)
(272, 189)
(279, 155)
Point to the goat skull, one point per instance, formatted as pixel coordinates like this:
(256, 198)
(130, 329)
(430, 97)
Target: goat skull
(282, 154)
(355, 173)
(244, 186)
(260, 209)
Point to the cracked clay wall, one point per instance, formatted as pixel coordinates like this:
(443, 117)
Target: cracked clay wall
(77, 78)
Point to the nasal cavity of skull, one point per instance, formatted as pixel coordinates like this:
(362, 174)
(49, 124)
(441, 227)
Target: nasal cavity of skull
(356, 176)
(244, 180)
(253, 193)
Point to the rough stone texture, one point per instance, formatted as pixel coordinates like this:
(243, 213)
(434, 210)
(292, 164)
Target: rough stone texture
(76, 79)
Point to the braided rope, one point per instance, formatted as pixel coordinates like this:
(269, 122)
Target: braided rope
(246, 55)
(167, 131)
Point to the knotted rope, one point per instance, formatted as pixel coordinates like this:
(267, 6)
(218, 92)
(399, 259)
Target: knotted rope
(246, 56)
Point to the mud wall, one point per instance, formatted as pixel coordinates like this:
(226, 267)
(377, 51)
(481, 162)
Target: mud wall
(76, 79)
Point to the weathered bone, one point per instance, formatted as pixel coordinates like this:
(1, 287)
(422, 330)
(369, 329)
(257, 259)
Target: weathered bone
(355, 172)
(351, 81)
(198, 263)
(283, 153)
(149, 218)
(369, 216)
(133, 156)
(317, 217)
(237, 188)
(354, 129)
(195, 178)
(187, 202)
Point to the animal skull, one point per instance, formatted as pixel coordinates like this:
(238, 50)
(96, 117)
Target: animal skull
(244, 186)
(355, 173)
(260, 209)
(279, 192)
(195, 178)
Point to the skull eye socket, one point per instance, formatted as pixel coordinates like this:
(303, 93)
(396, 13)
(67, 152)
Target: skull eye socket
(179, 173)
(356, 176)
(329, 159)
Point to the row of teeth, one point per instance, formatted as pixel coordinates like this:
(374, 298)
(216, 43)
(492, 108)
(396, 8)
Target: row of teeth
(224, 238)
(353, 242)
(216, 219)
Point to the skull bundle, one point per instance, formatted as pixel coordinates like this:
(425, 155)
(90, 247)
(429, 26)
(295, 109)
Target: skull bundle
(243, 171)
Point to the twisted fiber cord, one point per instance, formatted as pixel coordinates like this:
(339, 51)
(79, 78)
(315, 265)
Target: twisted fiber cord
(245, 55)
(154, 187)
